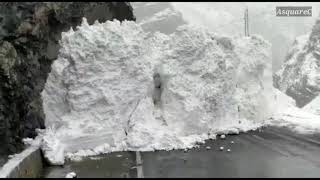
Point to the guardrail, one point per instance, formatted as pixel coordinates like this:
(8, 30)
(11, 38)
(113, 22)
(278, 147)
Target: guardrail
(27, 164)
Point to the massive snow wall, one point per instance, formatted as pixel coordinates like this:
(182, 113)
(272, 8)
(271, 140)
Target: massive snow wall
(115, 87)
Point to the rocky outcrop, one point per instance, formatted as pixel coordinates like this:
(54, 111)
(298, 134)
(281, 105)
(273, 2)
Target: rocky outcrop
(299, 77)
(29, 43)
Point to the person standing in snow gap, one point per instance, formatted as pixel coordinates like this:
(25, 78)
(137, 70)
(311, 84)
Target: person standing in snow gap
(157, 88)
(239, 114)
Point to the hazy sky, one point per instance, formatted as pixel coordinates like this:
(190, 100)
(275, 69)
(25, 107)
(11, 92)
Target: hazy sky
(227, 18)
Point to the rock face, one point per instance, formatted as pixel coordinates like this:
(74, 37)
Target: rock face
(115, 87)
(299, 77)
(29, 35)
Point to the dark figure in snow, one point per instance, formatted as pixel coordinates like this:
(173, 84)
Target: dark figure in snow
(156, 96)
(239, 113)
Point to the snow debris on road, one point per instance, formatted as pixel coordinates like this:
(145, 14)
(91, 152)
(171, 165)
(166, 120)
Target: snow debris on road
(71, 175)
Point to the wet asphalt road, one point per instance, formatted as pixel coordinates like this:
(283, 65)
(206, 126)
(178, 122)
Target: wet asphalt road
(270, 152)
(113, 165)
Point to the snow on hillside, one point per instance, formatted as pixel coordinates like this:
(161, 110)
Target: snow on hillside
(313, 106)
(288, 115)
(115, 87)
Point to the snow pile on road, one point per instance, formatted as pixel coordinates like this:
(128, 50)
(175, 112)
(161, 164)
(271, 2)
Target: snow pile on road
(53, 148)
(288, 115)
(115, 87)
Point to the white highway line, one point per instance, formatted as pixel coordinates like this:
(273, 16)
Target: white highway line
(139, 165)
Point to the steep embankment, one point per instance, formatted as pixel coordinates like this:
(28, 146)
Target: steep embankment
(29, 35)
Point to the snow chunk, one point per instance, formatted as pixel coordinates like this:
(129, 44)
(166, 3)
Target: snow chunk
(71, 175)
(52, 148)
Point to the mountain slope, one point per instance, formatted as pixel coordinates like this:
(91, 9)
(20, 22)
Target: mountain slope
(299, 76)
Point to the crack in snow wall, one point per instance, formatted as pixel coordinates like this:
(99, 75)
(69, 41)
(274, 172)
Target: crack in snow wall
(99, 96)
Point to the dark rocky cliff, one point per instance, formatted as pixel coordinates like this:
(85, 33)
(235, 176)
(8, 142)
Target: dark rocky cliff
(29, 43)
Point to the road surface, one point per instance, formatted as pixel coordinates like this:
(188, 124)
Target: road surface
(269, 152)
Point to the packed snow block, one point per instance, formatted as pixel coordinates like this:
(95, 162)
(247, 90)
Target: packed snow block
(53, 150)
(115, 87)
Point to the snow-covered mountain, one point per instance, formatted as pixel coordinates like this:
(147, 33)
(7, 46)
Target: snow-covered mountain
(299, 76)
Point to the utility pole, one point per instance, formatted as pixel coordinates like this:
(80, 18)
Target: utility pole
(246, 22)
